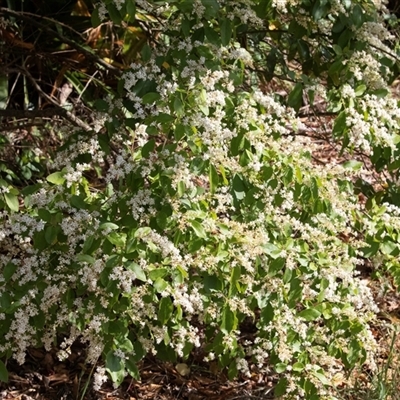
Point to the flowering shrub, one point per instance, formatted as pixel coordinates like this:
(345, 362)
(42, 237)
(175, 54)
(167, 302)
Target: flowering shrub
(211, 211)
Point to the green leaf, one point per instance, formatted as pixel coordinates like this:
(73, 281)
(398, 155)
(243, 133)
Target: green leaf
(114, 13)
(272, 250)
(95, 19)
(212, 283)
(162, 220)
(277, 264)
(185, 6)
(5, 301)
(212, 36)
(211, 8)
(388, 247)
(57, 178)
(236, 144)
(123, 343)
(229, 320)
(160, 285)
(214, 179)
(39, 240)
(164, 118)
(380, 93)
(295, 98)
(109, 225)
(3, 91)
(319, 10)
(394, 165)
(142, 232)
(353, 165)
(310, 314)
(337, 49)
(158, 273)
(51, 234)
(148, 148)
(146, 53)
(198, 229)
(9, 270)
(204, 109)
(339, 126)
(150, 98)
(117, 239)
(297, 30)
(181, 188)
(45, 215)
(130, 8)
(280, 367)
(298, 367)
(3, 372)
(267, 314)
(223, 174)
(344, 40)
(280, 388)
(138, 271)
(179, 107)
(239, 187)
(31, 189)
(234, 281)
(232, 370)
(132, 368)
(360, 90)
(357, 16)
(226, 31)
(85, 258)
(304, 51)
(180, 132)
(78, 202)
(321, 376)
(113, 260)
(115, 367)
(12, 201)
(101, 105)
(186, 26)
(165, 310)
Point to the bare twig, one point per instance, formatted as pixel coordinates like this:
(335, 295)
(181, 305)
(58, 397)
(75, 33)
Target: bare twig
(87, 85)
(65, 113)
(31, 114)
(35, 20)
(13, 127)
(49, 112)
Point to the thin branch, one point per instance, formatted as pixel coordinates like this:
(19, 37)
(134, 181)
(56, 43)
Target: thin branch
(12, 127)
(90, 55)
(54, 21)
(281, 77)
(31, 114)
(393, 55)
(48, 112)
(65, 113)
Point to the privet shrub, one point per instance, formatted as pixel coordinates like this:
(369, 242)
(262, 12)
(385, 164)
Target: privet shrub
(208, 209)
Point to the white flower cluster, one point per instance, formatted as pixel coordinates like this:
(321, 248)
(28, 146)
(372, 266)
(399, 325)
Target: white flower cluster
(376, 34)
(378, 118)
(120, 167)
(99, 378)
(82, 145)
(165, 246)
(282, 5)
(367, 69)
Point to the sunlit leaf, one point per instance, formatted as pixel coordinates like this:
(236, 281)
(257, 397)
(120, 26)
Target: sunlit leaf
(12, 201)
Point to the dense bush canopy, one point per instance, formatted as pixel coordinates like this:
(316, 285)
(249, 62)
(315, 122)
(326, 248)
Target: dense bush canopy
(188, 200)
